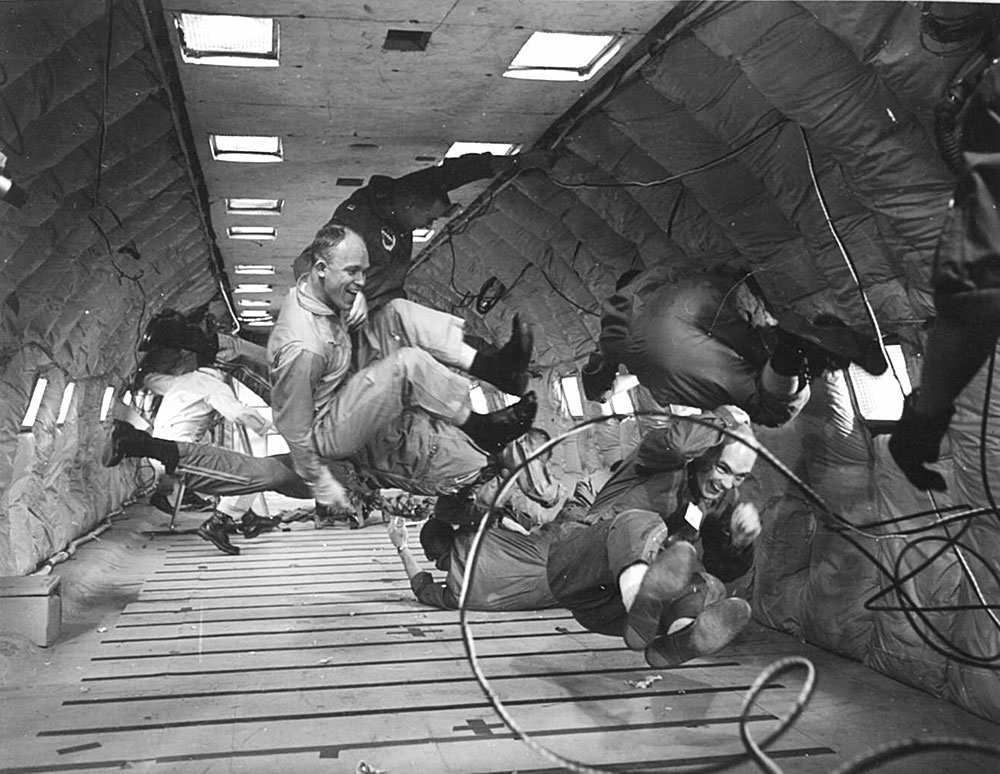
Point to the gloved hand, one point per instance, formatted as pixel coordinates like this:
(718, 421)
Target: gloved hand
(916, 441)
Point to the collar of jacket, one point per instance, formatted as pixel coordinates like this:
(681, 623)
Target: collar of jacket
(308, 301)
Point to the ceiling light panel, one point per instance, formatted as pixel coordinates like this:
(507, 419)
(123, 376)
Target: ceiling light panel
(252, 149)
(228, 41)
(254, 206)
(563, 56)
(251, 302)
(252, 288)
(254, 268)
(496, 148)
(252, 232)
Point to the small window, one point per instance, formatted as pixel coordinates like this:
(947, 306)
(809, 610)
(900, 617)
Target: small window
(35, 403)
(64, 405)
(572, 400)
(109, 395)
(478, 399)
(254, 206)
(563, 56)
(254, 268)
(246, 148)
(252, 232)
(228, 41)
(880, 398)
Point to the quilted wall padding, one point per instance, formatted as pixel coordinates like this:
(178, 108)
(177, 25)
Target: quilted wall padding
(110, 234)
(720, 144)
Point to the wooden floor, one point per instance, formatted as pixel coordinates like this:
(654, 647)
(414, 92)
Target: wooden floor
(308, 653)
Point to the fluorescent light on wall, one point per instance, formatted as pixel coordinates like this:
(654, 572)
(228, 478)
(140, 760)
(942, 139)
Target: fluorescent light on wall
(252, 232)
(250, 287)
(572, 400)
(422, 234)
(248, 314)
(230, 41)
(67, 400)
(254, 302)
(621, 404)
(254, 268)
(880, 398)
(260, 323)
(246, 148)
(496, 148)
(35, 403)
(478, 400)
(109, 395)
(562, 56)
(241, 206)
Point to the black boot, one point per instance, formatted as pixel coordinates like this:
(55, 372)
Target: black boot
(492, 432)
(216, 532)
(830, 344)
(127, 441)
(598, 377)
(251, 525)
(507, 368)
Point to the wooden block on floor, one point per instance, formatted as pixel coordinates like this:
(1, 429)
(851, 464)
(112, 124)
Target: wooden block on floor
(31, 607)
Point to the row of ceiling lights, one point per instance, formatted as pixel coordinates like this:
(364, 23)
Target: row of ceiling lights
(250, 41)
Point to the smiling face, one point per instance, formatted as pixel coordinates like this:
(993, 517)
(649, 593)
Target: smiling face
(338, 274)
(728, 470)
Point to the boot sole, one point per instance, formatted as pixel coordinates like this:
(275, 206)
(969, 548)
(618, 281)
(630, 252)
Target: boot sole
(667, 578)
(714, 628)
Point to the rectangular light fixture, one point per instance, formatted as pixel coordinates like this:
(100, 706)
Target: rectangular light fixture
(496, 148)
(260, 323)
(478, 399)
(254, 302)
(248, 314)
(67, 400)
(254, 268)
(127, 397)
(252, 288)
(251, 149)
(572, 399)
(228, 41)
(422, 234)
(109, 395)
(251, 232)
(563, 56)
(35, 403)
(239, 206)
(880, 398)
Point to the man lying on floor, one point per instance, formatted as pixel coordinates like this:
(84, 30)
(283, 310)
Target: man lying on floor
(628, 565)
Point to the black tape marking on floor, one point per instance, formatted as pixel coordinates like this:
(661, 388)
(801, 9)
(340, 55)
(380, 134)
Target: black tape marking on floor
(413, 709)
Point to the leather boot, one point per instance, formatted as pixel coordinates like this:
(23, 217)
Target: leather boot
(127, 441)
(831, 344)
(251, 525)
(491, 432)
(216, 532)
(507, 368)
(714, 628)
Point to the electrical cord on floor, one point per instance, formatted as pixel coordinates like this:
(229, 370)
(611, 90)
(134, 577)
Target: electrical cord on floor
(755, 752)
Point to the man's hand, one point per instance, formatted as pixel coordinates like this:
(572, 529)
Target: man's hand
(255, 421)
(916, 441)
(398, 535)
(358, 315)
(732, 415)
(744, 524)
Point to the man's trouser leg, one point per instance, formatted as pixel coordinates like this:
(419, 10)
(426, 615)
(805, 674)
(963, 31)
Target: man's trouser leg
(263, 474)
(402, 324)
(584, 565)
